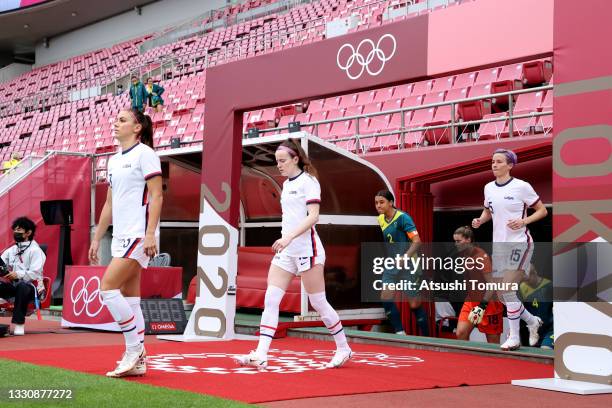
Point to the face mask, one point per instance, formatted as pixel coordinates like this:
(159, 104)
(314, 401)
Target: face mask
(18, 237)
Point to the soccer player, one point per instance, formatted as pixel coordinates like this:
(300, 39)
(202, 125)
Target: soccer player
(506, 200)
(536, 294)
(298, 252)
(133, 204)
(478, 310)
(398, 228)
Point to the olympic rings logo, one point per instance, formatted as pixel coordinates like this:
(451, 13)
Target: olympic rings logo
(82, 298)
(357, 56)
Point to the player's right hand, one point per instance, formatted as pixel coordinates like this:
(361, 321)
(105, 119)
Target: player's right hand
(476, 315)
(93, 252)
(476, 223)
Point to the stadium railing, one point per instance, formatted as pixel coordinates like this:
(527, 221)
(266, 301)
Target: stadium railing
(356, 143)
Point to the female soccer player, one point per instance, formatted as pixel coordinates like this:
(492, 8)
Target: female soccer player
(398, 227)
(133, 204)
(505, 202)
(490, 321)
(298, 252)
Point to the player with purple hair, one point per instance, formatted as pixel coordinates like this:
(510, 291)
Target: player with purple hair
(506, 200)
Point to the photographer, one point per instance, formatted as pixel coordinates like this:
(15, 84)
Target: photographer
(22, 272)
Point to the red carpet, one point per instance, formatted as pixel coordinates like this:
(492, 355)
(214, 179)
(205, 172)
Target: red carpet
(294, 368)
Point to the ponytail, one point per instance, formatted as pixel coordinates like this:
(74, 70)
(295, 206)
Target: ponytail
(146, 133)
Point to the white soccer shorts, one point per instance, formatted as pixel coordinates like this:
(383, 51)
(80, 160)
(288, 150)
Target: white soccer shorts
(511, 256)
(132, 248)
(297, 265)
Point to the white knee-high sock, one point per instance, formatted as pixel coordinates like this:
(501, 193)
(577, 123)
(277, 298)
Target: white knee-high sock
(269, 319)
(516, 311)
(134, 302)
(123, 315)
(330, 318)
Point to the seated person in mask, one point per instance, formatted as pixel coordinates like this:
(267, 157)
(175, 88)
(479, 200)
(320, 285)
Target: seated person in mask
(22, 274)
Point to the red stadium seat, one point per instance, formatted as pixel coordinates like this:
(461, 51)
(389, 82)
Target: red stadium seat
(440, 135)
(402, 91)
(510, 79)
(422, 88)
(434, 97)
(475, 110)
(443, 84)
(383, 95)
(364, 98)
(465, 80)
(487, 76)
(537, 72)
(493, 130)
(316, 106)
(526, 103)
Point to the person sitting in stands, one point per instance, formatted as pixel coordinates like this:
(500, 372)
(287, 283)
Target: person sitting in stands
(10, 164)
(22, 271)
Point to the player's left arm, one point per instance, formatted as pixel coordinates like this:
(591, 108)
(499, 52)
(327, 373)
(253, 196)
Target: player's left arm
(311, 219)
(154, 185)
(151, 171)
(531, 199)
(412, 234)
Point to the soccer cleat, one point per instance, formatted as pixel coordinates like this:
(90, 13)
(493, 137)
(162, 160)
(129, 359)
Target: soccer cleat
(534, 336)
(252, 360)
(19, 330)
(141, 367)
(341, 357)
(128, 362)
(512, 343)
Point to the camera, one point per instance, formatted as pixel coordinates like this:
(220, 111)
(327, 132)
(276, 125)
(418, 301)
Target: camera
(4, 270)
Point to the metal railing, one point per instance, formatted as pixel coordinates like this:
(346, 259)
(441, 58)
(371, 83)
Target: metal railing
(453, 126)
(27, 166)
(404, 8)
(12, 176)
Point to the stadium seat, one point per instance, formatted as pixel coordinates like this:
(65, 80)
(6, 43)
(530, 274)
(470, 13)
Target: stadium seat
(383, 95)
(537, 72)
(493, 129)
(422, 88)
(465, 80)
(442, 116)
(510, 79)
(402, 91)
(364, 98)
(525, 104)
(443, 84)
(487, 76)
(475, 110)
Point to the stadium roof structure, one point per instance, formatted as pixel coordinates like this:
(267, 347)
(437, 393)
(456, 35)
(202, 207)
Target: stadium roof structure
(340, 172)
(23, 28)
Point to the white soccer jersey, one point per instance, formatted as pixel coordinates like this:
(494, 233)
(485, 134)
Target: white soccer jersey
(298, 192)
(128, 172)
(509, 201)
